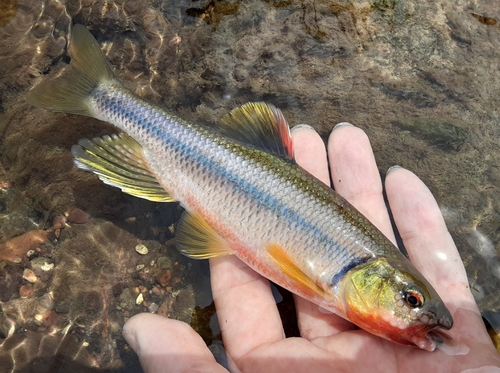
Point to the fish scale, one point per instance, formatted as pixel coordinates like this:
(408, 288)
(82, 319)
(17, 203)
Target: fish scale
(244, 195)
(306, 217)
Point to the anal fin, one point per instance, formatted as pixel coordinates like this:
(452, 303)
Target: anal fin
(118, 160)
(196, 239)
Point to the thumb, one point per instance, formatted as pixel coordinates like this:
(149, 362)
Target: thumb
(165, 345)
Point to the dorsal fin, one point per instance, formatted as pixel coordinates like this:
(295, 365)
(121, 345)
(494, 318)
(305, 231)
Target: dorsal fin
(260, 125)
(198, 240)
(118, 160)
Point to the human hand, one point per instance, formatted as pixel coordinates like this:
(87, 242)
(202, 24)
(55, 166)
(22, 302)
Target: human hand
(249, 320)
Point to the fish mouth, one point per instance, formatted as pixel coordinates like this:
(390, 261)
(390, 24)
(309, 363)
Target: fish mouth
(430, 337)
(436, 316)
(435, 337)
(445, 322)
(435, 334)
(430, 341)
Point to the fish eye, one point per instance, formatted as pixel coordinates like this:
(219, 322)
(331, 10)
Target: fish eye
(413, 298)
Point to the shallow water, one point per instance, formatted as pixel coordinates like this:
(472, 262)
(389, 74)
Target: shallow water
(421, 79)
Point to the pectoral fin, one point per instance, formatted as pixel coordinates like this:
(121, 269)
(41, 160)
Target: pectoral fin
(198, 240)
(290, 269)
(118, 161)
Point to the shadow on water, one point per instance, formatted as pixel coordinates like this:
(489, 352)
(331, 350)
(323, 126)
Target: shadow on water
(417, 77)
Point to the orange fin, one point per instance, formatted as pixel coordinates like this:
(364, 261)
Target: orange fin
(260, 125)
(289, 268)
(198, 240)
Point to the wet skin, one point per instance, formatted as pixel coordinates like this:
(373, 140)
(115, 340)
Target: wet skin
(251, 327)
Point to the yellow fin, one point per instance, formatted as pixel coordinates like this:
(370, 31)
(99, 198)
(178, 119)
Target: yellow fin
(290, 269)
(260, 125)
(70, 91)
(118, 161)
(198, 240)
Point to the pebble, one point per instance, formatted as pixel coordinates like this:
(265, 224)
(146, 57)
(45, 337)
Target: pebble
(164, 262)
(141, 249)
(139, 299)
(153, 307)
(42, 267)
(165, 307)
(163, 277)
(29, 275)
(26, 291)
(59, 222)
(139, 267)
(126, 300)
(48, 318)
(77, 216)
(47, 266)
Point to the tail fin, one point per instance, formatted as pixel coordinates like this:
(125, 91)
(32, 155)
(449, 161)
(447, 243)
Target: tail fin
(70, 91)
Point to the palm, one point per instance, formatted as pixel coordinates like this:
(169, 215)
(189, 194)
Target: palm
(250, 323)
(359, 351)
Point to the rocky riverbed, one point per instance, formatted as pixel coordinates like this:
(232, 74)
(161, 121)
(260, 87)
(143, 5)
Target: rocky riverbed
(421, 78)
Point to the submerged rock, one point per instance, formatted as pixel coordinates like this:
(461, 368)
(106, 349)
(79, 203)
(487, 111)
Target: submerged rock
(16, 248)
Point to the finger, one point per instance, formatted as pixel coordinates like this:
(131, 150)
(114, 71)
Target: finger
(422, 227)
(310, 154)
(431, 248)
(246, 309)
(355, 175)
(165, 345)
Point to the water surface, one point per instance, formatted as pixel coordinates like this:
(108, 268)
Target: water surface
(421, 78)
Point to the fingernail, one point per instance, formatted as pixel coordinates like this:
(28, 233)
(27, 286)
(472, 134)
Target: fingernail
(395, 167)
(342, 124)
(299, 126)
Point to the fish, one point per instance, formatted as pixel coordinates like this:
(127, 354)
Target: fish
(244, 195)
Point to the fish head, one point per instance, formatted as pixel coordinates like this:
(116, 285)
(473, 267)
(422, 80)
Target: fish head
(390, 298)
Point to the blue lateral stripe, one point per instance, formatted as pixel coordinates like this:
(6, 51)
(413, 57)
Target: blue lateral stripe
(343, 271)
(142, 118)
(252, 192)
